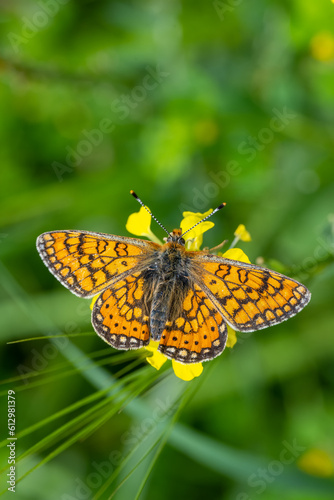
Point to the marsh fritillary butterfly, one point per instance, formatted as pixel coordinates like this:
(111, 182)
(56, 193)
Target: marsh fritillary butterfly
(182, 299)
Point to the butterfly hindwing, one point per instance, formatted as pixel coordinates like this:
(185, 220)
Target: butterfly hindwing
(198, 334)
(119, 314)
(87, 262)
(251, 297)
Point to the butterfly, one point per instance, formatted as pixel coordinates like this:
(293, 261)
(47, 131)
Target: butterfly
(182, 299)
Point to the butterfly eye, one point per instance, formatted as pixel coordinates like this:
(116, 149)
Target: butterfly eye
(176, 237)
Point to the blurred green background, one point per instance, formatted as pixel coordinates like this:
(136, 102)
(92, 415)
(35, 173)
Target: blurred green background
(189, 104)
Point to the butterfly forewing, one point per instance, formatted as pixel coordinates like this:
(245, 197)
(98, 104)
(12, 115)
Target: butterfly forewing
(86, 263)
(251, 297)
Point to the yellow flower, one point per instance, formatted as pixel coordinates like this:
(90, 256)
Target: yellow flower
(242, 234)
(184, 372)
(139, 223)
(231, 337)
(322, 46)
(157, 359)
(317, 463)
(236, 254)
(194, 238)
(187, 372)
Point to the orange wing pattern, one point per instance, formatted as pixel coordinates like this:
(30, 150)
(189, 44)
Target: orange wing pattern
(119, 315)
(199, 334)
(86, 263)
(190, 294)
(251, 297)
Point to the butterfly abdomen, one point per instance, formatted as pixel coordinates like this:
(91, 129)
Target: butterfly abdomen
(170, 285)
(159, 311)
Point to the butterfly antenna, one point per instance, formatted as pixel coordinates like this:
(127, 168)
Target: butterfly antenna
(205, 218)
(147, 210)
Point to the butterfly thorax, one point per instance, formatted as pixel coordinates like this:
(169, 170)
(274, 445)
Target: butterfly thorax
(176, 237)
(167, 282)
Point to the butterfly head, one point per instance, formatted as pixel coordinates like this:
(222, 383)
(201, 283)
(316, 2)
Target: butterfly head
(176, 237)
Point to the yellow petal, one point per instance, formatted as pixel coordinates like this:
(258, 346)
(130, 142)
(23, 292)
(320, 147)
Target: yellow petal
(94, 299)
(156, 360)
(195, 244)
(196, 231)
(316, 462)
(197, 214)
(236, 254)
(192, 218)
(322, 46)
(231, 338)
(187, 372)
(152, 346)
(242, 233)
(139, 223)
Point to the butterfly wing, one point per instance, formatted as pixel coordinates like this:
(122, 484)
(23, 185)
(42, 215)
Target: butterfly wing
(198, 334)
(86, 263)
(250, 297)
(120, 315)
